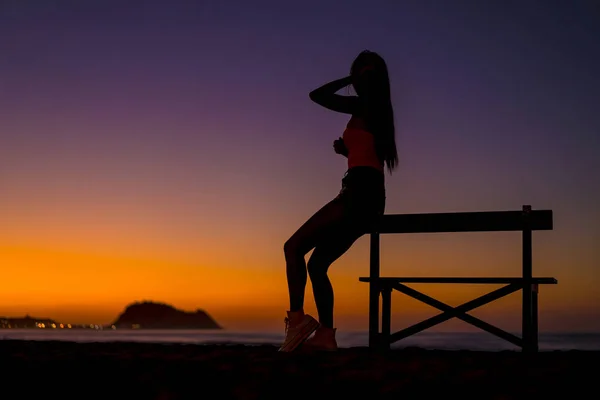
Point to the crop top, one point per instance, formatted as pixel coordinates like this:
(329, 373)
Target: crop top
(360, 144)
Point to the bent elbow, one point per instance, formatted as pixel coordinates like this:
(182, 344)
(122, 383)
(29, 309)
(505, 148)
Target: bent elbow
(314, 96)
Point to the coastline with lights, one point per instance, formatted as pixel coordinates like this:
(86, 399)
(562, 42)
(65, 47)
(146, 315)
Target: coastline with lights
(29, 322)
(137, 315)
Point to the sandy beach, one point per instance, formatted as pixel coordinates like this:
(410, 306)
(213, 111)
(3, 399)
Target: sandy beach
(159, 371)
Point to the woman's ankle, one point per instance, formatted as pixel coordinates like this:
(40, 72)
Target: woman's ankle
(295, 317)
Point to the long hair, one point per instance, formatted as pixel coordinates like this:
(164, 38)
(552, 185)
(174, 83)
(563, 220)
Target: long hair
(380, 113)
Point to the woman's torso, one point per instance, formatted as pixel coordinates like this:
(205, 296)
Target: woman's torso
(360, 143)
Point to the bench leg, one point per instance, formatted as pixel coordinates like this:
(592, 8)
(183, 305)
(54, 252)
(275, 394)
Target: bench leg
(527, 317)
(530, 319)
(373, 316)
(374, 291)
(386, 318)
(534, 318)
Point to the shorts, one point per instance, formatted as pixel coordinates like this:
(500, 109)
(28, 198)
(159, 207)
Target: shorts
(363, 196)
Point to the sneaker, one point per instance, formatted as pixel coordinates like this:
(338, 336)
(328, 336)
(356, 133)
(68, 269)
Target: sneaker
(297, 334)
(323, 340)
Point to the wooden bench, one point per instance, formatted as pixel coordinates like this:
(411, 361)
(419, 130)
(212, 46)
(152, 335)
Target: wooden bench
(524, 221)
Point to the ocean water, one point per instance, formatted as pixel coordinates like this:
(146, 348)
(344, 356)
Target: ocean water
(428, 340)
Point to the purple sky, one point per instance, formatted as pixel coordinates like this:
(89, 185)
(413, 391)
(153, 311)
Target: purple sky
(197, 112)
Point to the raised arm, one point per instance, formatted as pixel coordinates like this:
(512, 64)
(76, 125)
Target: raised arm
(326, 96)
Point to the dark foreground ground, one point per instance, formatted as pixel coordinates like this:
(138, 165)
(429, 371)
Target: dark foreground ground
(155, 371)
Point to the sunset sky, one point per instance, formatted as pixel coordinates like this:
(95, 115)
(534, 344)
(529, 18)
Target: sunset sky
(165, 150)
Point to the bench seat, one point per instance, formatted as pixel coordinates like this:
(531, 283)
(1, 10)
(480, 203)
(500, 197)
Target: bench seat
(476, 280)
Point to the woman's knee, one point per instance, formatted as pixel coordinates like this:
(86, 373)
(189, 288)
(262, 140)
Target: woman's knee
(288, 247)
(316, 267)
(291, 248)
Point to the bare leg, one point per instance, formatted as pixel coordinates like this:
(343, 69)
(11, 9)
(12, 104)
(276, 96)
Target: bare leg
(313, 231)
(321, 259)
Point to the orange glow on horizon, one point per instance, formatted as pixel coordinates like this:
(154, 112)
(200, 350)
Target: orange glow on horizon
(240, 292)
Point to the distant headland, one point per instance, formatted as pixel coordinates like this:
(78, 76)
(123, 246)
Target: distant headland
(138, 315)
(151, 315)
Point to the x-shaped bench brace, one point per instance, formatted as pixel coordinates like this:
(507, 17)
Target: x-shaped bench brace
(449, 312)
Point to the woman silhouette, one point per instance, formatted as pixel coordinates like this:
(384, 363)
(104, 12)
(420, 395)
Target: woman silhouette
(369, 144)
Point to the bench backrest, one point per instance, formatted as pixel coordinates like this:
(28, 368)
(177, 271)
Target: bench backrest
(486, 221)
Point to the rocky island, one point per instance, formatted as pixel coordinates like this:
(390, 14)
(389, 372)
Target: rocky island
(152, 315)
